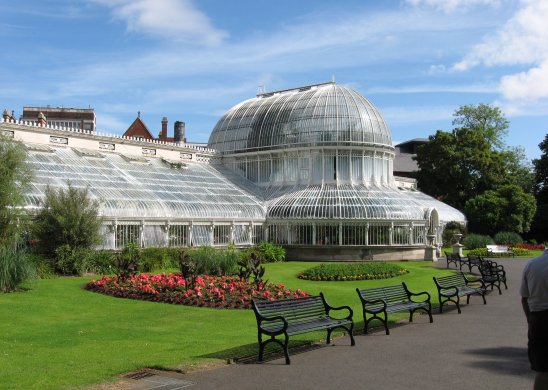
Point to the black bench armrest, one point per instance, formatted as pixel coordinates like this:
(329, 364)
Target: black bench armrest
(350, 311)
(412, 294)
(262, 319)
(473, 281)
(375, 302)
(328, 308)
(419, 294)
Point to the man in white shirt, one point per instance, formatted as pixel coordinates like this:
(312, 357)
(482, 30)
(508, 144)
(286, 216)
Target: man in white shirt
(534, 292)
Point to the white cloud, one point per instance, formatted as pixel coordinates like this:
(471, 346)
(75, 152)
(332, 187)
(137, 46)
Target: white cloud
(449, 6)
(522, 40)
(529, 85)
(177, 20)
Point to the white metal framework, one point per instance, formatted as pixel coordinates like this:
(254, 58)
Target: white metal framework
(306, 167)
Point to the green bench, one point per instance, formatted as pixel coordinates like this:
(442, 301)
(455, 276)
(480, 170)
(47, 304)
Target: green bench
(288, 317)
(379, 301)
(452, 287)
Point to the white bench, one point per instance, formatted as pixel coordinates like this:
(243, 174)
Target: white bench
(499, 250)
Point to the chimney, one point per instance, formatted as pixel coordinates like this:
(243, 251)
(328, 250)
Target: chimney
(163, 136)
(179, 132)
(42, 119)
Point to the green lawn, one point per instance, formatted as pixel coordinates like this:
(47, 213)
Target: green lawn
(57, 335)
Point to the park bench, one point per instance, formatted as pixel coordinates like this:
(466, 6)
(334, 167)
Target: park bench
(452, 287)
(379, 301)
(473, 261)
(455, 258)
(499, 251)
(294, 316)
(493, 274)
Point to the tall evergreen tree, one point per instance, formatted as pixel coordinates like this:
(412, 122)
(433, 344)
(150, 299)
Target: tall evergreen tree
(14, 178)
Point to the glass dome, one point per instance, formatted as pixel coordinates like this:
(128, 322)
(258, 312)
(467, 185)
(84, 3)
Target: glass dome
(317, 115)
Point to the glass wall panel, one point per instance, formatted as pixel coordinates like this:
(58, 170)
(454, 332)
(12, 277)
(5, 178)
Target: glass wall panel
(327, 234)
(222, 235)
(419, 235)
(178, 235)
(400, 235)
(301, 234)
(201, 235)
(355, 235)
(258, 234)
(154, 235)
(126, 234)
(379, 235)
(241, 234)
(343, 166)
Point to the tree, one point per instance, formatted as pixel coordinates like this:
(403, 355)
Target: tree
(452, 166)
(540, 222)
(14, 178)
(507, 208)
(485, 119)
(68, 217)
(455, 166)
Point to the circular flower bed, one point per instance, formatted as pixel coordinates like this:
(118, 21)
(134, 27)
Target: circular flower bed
(353, 271)
(210, 291)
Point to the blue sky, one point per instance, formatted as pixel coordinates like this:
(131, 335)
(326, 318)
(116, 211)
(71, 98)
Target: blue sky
(416, 60)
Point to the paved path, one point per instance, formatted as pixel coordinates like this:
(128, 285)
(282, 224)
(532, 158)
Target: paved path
(482, 348)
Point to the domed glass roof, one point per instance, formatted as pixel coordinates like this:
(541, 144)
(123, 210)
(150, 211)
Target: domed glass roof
(318, 115)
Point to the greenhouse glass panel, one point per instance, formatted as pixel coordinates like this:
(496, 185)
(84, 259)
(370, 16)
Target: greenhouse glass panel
(154, 235)
(126, 234)
(178, 235)
(400, 235)
(222, 234)
(201, 235)
(379, 235)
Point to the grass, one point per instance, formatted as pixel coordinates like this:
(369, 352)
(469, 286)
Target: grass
(57, 335)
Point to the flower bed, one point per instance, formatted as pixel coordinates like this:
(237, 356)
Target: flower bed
(354, 271)
(210, 291)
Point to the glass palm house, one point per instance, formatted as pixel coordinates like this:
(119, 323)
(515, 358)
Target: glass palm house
(309, 168)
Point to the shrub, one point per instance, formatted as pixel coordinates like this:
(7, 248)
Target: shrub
(271, 253)
(153, 259)
(68, 217)
(72, 261)
(483, 252)
(101, 262)
(210, 261)
(507, 238)
(15, 268)
(354, 271)
(521, 251)
(473, 241)
(126, 263)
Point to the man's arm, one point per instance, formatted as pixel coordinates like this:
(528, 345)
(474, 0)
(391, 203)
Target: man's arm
(525, 306)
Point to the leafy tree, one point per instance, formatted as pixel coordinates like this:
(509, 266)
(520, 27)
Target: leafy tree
(68, 217)
(454, 165)
(485, 119)
(472, 159)
(14, 178)
(540, 223)
(507, 208)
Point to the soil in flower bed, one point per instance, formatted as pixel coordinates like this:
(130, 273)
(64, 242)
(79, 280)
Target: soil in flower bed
(209, 291)
(353, 271)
